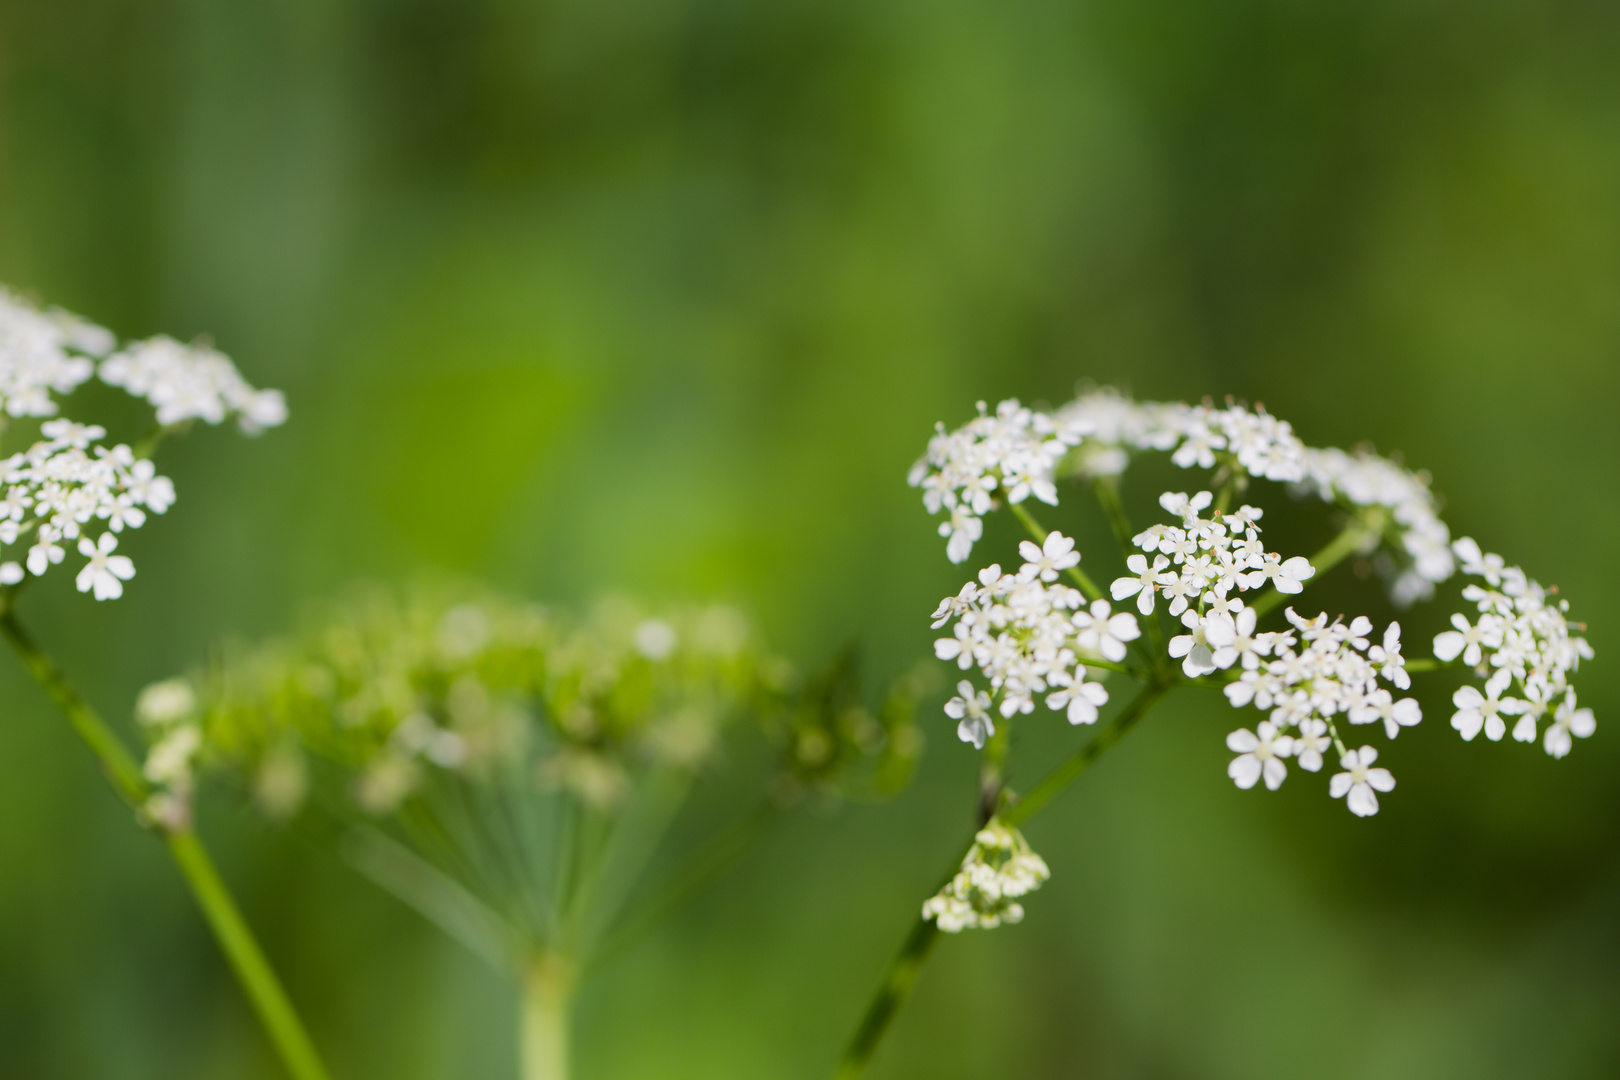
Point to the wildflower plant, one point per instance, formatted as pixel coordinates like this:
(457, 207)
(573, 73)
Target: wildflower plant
(513, 771)
(69, 495)
(1192, 602)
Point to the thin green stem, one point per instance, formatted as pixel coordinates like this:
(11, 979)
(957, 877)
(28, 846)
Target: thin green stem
(1113, 508)
(1061, 777)
(123, 772)
(1338, 549)
(253, 971)
(902, 974)
(1424, 664)
(1079, 577)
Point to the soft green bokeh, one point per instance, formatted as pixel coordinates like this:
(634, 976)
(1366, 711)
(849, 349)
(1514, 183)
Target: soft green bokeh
(667, 296)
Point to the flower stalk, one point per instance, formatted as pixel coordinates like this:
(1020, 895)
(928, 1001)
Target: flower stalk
(253, 971)
(548, 991)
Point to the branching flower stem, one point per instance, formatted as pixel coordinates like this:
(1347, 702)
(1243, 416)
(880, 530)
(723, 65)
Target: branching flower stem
(901, 977)
(1085, 584)
(224, 918)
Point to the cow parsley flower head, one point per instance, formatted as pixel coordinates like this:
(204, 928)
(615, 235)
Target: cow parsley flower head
(1204, 585)
(998, 869)
(72, 490)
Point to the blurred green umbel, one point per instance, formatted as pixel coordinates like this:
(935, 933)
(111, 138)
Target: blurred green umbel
(512, 770)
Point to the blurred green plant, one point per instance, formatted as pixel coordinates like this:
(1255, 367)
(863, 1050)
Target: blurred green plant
(512, 771)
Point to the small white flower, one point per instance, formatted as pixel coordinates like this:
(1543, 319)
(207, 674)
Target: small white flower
(1044, 562)
(1144, 585)
(1466, 640)
(1082, 700)
(972, 708)
(1260, 754)
(105, 572)
(1311, 741)
(1476, 711)
(1360, 781)
(1391, 664)
(1381, 705)
(1105, 633)
(1569, 721)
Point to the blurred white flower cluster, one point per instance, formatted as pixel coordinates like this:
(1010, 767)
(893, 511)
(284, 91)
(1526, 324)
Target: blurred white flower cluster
(192, 382)
(44, 353)
(999, 869)
(69, 490)
(1097, 434)
(1029, 636)
(1521, 644)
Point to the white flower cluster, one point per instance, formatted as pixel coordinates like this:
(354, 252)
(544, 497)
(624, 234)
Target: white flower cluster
(1199, 564)
(1029, 636)
(1013, 453)
(68, 485)
(43, 352)
(61, 486)
(1364, 480)
(1522, 645)
(190, 382)
(1096, 435)
(1328, 670)
(998, 869)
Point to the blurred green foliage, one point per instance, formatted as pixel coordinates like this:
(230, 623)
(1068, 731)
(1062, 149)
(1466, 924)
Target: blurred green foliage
(667, 296)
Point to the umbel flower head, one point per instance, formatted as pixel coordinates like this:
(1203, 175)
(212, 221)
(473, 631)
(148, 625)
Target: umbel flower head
(472, 732)
(1314, 679)
(70, 492)
(998, 869)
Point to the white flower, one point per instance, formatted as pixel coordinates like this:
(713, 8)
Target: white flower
(1391, 664)
(43, 353)
(1476, 711)
(1311, 741)
(1260, 753)
(105, 572)
(1568, 721)
(1245, 645)
(972, 708)
(1466, 640)
(1215, 632)
(1381, 705)
(1144, 585)
(1103, 632)
(1360, 781)
(1044, 562)
(192, 382)
(1081, 699)
(1286, 577)
(998, 869)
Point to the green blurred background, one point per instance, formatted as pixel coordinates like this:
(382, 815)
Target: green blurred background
(668, 296)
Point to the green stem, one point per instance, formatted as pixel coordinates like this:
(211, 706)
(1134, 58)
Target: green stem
(548, 991)
(895, 989)
(123, 772)
(1114, 510)
(253, 971)
(1061, 777)
(1338, 549)
(1086, 585)
(901, 977)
